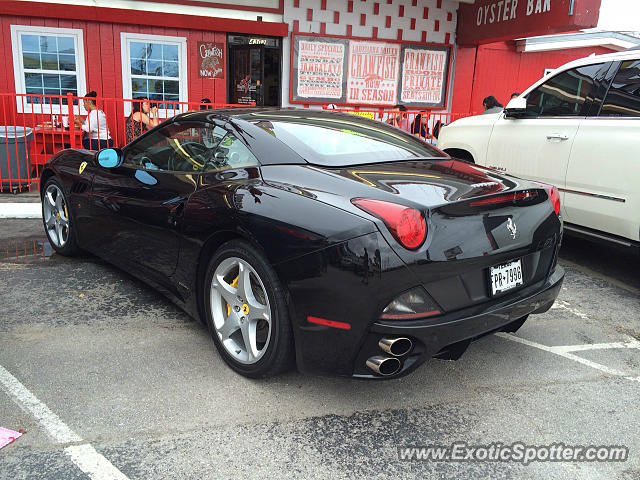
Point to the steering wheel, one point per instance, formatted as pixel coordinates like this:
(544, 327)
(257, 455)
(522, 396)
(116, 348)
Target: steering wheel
(197, 148)
(201, 154)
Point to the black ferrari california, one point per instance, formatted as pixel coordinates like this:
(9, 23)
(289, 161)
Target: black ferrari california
(336, 242)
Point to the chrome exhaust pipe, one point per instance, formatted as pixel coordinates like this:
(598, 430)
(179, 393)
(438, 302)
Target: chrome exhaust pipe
(396, 346)
(384, 365)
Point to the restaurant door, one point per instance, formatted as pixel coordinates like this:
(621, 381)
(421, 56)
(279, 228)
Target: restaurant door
(255, 70)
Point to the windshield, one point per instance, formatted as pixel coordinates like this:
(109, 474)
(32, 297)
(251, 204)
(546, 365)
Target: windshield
(340, 139)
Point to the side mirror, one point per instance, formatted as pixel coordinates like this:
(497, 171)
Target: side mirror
(110, 158)
(516, 107)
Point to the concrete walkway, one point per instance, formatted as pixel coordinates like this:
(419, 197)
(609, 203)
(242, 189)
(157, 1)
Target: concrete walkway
(21, 205)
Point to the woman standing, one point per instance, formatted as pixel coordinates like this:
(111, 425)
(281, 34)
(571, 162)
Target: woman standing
(143, 117)
(95, 128)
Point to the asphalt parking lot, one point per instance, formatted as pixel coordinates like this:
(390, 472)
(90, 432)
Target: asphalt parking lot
(107, 376)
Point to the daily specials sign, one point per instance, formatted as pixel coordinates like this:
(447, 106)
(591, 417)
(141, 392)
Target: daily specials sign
(210, 60)
(368, 72)
(319, 69)
(373, 73)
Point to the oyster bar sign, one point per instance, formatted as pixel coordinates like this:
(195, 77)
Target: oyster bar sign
(506, 10)
(493, 20)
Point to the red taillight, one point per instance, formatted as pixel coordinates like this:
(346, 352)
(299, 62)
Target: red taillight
(407, 225)
(507, 197)
(554, 197)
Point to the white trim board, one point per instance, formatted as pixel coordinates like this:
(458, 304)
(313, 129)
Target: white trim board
(18, 66)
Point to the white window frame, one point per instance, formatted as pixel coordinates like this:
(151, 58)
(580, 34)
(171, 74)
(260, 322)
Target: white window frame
(125, 39)
(18, 67)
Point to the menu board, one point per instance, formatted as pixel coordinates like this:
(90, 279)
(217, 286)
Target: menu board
(319, 69)
(328, 69)
(424, 75)
(210, 60)
(373, 73)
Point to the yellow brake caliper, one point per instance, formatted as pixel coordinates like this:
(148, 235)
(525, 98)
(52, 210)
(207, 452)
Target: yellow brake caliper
(234, 284)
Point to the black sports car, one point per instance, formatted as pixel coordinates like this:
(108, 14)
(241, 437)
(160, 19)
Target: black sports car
(341, 242)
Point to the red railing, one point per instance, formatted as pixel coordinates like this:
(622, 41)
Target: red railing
(424, 124)
(35, 127)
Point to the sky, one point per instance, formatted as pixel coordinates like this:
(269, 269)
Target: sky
(620, 15)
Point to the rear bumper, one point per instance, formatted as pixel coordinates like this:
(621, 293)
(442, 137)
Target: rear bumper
(453, 331)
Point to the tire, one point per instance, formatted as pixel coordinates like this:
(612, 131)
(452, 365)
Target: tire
(246, 311)
(57, 220)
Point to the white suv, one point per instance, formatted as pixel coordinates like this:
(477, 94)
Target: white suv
(578, 129)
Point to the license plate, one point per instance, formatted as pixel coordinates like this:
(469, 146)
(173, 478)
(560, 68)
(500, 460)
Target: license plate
(505, 277)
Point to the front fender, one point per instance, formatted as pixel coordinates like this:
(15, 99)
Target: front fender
(471, 134)
(76, 184)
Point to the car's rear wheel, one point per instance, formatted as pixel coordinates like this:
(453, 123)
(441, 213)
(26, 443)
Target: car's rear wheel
(246, 311)
(57, 220)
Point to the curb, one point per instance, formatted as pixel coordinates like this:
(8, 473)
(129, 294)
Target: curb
(21, 210)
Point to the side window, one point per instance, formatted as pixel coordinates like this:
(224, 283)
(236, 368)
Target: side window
(231, 153)
(185, 147)
(623, 99)
(566, 94)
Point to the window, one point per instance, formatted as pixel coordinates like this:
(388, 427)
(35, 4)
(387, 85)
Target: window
(567, 94)
(339, 141)
(47, 61)
(623, 99)
(155, 67)
(189, 147)
(231, 153)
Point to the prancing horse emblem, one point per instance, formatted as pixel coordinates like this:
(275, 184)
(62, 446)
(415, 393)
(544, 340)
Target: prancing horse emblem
(82, 167)
(511, 225)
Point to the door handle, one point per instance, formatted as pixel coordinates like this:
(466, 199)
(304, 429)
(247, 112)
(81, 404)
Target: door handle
(175, 212)
(557, 136)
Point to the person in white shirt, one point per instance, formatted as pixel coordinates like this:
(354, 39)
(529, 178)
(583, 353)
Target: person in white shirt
(95, 128)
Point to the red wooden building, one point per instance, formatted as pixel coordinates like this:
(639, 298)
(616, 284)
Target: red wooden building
(99, 46)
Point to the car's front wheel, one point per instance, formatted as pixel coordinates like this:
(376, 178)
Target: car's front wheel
(57, 220)
(246, 311)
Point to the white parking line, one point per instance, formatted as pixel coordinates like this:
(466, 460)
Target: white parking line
(562, 305)
(93, 464)
(84, 456)
(596, 346)
(563, 351)
(28, 402)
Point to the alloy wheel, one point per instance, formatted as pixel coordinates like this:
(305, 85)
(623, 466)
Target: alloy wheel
(240, 309)
(56, 215)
